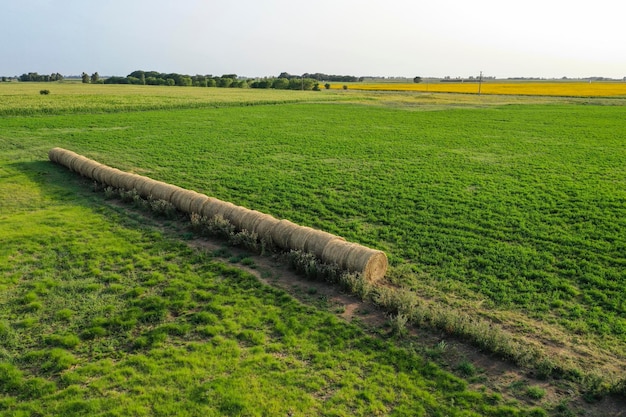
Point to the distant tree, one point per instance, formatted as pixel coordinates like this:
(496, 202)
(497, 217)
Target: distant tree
(224, 82)
(417, 80)
(327, 86)
(170, 81)
(281, 83)
(4, 79)
(85, 78)
(44, 92)
(345, 87)
(95, 78)
(210, 82)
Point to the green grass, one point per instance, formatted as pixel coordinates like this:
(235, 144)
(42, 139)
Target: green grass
(129, 322)
(513, 211)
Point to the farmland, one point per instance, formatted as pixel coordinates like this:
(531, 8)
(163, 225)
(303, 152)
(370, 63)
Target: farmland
(504, 209)
(537, 88)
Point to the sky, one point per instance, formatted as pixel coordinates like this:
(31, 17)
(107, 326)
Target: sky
(257, 38)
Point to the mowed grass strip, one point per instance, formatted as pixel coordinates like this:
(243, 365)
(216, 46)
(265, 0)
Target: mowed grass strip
(102, 315)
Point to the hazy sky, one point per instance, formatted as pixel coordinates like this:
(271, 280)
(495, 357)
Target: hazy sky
(531, 38)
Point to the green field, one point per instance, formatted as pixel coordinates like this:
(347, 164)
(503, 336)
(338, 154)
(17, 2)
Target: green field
(511, 212)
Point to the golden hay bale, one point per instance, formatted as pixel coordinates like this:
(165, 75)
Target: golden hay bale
(297, 240)
(64, 157)
(197, 203)
(248, 220)
(83, 166)
(105, 175)
(370, 262)
(337, 252)
(236, 215)
(133, 181)
(117, 178)
(163, 191)
(209, 207)
(90, 169)
(263, 227)
(55, 154)
(221, 208)
(68, 161)
(282, 232)
(317, 241)
(182, 199)
(144, 186)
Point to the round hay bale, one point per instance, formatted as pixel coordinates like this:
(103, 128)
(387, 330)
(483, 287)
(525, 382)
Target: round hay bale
(76, 162)
(263, 227)
(132, 182)
(82, 166)
(376, 266)
(55, 154)
(69, 161)
(197, 203)
(209, 207)
(297, 240)
(144, 186)
(117, 178)
(162, 191)
(64, 157)
(236, 215)
(106, 175)
(248, 219)
(282, 232)
(337, 251)
(182, 199)
(317, 241)
(222, 208)
(90, 169)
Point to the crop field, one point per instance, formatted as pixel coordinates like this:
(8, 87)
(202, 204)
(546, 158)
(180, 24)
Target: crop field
(509, 213)
(546, 88)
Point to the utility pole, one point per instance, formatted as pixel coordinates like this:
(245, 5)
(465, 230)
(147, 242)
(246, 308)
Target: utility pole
(480, 82)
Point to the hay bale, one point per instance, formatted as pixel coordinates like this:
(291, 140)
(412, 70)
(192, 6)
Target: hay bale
(236, 215)
(248, 220)
(317, 241)
(263, 227)
(144, 186)
(117, 178)
(221, 208)
(197, 203)
(209, 207)
(182, 199)
(162, 191)
(369, 262)
(55, 154)
(297, 240)
(133, 181)
(282, 231)
(337, 252)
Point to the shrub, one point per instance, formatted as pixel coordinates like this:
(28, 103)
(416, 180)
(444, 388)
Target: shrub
(44, 92)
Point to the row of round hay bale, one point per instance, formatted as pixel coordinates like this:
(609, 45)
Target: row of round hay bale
(283, 233)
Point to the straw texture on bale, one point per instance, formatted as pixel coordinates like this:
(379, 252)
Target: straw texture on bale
(197, 203)
(249, 219)
(162, 191)
(317, 241)
(209, 207)
(283, 233)
(182, 199)
(236, 215)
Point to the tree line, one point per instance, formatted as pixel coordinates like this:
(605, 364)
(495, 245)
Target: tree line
(284, 81)
(34, 77)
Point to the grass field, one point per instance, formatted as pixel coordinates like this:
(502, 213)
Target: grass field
(508, 212)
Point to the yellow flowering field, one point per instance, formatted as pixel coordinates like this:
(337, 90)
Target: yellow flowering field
(565, 89)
